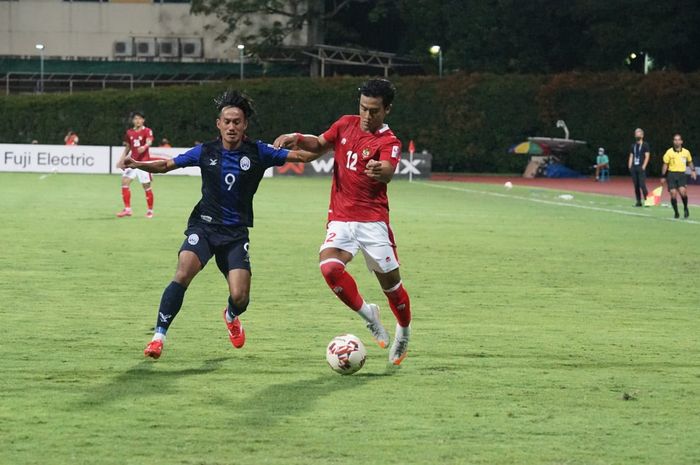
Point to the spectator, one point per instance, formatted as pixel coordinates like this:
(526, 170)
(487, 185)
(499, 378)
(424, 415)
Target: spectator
(601, 162)
(71, 138)
(165, 143)
(637, 164)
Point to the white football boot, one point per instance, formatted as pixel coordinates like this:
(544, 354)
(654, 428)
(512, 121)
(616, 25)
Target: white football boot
(399, 348)
(379, 334)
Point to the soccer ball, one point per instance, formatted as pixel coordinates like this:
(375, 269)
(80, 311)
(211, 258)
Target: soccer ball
(508, 185)
(346, 354)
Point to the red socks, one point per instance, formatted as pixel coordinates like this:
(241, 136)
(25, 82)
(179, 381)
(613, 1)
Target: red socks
(344, 286)
(126, 196)
(341, 282)
(149, 198)
(400, 304)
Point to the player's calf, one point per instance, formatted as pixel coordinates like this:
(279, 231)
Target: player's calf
(400, 303)
(341, 283)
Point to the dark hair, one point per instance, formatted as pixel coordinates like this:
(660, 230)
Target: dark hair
(136, 113)
(234, 98)
(379, 87)
(677, 134)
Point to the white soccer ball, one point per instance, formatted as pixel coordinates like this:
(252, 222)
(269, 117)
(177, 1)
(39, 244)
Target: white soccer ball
(508, 185)
(346, 354)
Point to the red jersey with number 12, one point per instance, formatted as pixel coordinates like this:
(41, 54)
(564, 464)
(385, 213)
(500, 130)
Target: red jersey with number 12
(136, 138)
(354, 195)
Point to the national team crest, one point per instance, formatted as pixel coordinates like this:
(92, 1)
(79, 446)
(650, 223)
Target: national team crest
(366, 153)
(245, 163)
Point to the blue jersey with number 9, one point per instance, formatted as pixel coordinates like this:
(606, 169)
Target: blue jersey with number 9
(229, 179)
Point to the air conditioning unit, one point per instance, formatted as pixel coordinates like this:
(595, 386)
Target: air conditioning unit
(123, 48)
(191, 48)
(168, 48)
(145, 47)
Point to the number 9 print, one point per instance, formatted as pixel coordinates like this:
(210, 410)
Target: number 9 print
(229, 179)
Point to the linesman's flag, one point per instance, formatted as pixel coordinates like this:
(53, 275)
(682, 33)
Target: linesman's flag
(654, 197)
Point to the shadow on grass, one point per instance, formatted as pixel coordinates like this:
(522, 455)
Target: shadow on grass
(144, 379)
(269, 406)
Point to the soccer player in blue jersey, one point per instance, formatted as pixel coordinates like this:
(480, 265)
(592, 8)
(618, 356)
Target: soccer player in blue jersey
(231, 168)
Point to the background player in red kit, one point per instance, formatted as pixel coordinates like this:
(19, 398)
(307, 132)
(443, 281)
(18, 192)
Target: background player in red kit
(366, 155)
(137, 141)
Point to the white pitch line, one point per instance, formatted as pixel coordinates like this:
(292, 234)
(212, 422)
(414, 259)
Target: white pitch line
(554, 202)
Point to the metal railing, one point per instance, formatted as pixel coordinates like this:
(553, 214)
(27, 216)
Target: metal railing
(27, 82)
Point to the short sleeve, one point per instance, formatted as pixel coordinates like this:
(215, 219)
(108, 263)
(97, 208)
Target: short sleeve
(391, 152)
(331, 133)
(150, 134)
(690, 157)
(667, 158)
(646, 148)
(270, 156)
(189, 158)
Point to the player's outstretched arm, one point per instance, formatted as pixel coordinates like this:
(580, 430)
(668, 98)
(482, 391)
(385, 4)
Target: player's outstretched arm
(120, 163)
(306, 142)
(302, 156)
(153, 166)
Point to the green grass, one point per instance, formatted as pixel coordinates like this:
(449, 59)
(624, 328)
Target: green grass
(543, 334)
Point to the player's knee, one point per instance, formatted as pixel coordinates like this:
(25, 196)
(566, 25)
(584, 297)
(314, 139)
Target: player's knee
(184, 275)
(240, 300)
(332, 270)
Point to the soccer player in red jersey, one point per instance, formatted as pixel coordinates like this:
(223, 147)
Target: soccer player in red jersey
(71, 138)
(137, 141)
(366, 155)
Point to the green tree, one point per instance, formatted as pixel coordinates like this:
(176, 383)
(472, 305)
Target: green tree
(291, 16)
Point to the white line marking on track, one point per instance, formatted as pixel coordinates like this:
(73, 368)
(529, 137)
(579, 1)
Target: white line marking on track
(555, 203)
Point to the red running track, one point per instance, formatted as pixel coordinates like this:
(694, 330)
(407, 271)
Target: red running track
(616, 186)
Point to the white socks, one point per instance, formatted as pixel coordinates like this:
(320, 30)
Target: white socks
(158, 337)
(366, 312)
(402, 332)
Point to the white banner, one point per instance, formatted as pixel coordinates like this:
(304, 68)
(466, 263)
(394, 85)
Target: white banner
(93, 159)
(159, 152)
(54, 158)
(418, 167)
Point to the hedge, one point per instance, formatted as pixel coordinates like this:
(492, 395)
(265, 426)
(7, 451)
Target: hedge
(467, 121)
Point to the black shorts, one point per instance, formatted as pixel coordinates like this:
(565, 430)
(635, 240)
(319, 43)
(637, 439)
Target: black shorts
(228, 245)
(675, 180)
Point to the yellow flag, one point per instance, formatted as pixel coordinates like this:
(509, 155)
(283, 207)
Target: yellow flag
(654, 197)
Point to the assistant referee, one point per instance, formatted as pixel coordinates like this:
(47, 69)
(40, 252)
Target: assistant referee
(676, 159)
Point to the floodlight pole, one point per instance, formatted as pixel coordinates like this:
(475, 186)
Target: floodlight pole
(241, 57)
(647, 63)
(41, 47)
(437, 50)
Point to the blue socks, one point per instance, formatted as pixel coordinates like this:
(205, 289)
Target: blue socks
(170, 305)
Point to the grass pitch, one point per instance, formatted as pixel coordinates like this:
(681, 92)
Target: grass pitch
(546, 331)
